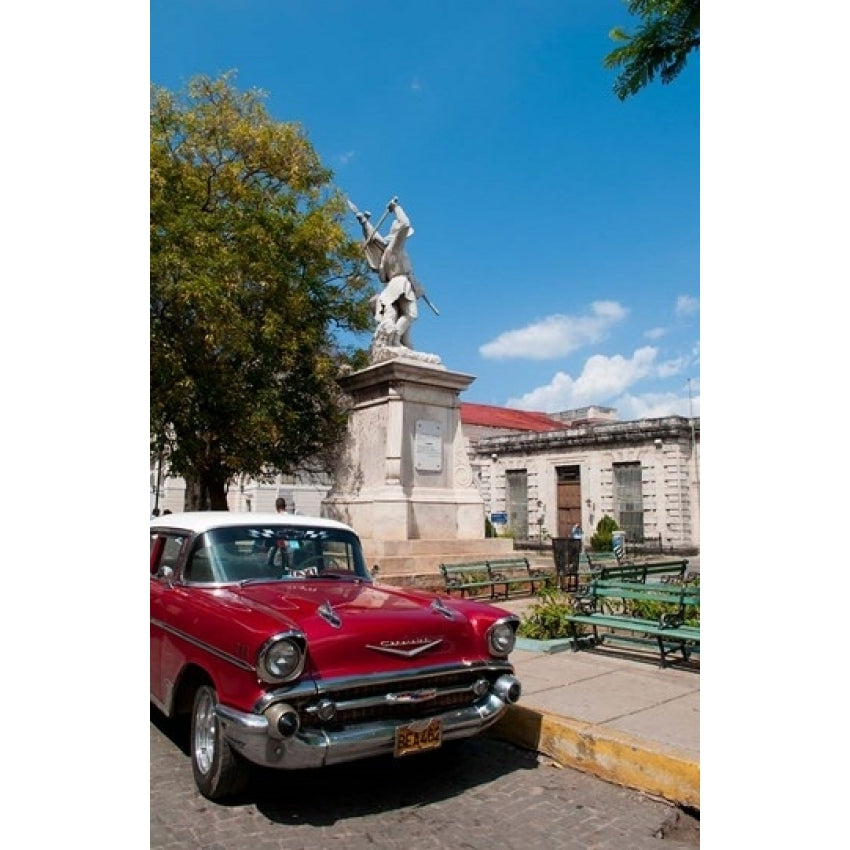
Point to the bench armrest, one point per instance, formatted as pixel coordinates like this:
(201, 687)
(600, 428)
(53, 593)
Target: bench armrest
(671, 621)
(583, 604)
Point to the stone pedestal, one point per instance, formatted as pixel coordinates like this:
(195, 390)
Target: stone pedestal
(404, 481)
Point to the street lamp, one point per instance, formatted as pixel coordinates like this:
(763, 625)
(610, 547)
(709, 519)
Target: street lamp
(158, 482)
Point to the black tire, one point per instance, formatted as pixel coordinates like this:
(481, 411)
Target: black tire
(219, 772)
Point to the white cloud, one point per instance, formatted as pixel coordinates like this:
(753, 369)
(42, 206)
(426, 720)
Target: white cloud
(604, 376)
(687, 305)
(345, 158)
(655, 333)
(672, 367)
(601, 380)
(555, 336)
(655, 405)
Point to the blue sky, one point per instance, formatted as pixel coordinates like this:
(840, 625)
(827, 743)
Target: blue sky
(557, 228)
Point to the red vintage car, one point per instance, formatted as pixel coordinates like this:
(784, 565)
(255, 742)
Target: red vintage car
(269, 631)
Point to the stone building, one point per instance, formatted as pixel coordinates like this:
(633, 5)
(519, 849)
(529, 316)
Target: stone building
(540, 473)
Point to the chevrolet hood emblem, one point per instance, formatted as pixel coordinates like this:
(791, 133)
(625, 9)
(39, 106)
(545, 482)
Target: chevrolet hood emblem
(405, 648)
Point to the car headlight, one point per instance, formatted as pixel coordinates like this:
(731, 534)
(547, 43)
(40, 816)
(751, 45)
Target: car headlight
(501, 637)
(282, 658)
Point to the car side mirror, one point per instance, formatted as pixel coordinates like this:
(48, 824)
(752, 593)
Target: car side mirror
(166, 574)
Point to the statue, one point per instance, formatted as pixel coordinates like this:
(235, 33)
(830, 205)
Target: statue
(395, 306)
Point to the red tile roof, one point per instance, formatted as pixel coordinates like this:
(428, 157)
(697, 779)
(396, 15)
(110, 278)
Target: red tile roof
(504, 417)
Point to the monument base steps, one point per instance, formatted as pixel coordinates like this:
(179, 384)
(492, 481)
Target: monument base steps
(398, 561)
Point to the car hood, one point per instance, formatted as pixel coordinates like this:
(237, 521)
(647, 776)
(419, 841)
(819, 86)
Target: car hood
(358, 628)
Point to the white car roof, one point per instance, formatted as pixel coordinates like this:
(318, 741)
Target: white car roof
(199, 521)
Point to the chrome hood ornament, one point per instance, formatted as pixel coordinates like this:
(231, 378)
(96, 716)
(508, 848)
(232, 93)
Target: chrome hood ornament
(327, 613)
(441, 608)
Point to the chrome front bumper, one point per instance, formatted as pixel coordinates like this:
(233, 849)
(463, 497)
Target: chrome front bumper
(251, 736)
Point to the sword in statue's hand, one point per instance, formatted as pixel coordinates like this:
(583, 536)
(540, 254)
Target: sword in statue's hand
(363, 218)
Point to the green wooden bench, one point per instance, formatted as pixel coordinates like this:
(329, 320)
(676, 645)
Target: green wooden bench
(674, 570)
(509, 573)
(597, 560)
(468, 579)
(615, 565)
(606, 605)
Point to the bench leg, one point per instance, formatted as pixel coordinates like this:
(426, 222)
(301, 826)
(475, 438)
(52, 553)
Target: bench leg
(662, 651)
(683, 648)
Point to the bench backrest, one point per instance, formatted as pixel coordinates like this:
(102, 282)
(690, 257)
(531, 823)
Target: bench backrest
(639, 572)
(652, 592)
(503, 564)
(471, 571)
(597, 560)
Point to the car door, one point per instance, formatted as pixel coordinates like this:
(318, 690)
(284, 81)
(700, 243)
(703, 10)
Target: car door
(166, 550)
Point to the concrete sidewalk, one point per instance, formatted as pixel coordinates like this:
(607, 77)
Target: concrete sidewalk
(616, 715)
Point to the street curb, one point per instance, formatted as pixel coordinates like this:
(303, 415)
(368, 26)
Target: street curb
(611, 755)
(547, 646)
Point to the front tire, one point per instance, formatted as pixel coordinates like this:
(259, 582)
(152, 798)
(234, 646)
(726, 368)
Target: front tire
(218, 771)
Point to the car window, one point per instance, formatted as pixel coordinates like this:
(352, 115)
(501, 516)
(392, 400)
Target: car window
(165, 550)
(157, 544)
(199, 567)
(274, 553)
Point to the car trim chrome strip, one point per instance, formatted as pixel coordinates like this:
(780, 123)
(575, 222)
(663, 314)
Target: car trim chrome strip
(241, 663)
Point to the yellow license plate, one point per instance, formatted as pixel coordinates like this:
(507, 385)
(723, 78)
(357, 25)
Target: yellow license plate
(418, 737)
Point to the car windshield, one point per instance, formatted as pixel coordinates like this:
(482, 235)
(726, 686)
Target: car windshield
(274, 552)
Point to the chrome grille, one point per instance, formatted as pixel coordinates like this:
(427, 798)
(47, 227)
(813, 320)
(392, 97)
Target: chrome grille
(370, 702)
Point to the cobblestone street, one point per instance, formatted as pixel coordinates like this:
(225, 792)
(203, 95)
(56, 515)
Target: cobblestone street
(480, 793)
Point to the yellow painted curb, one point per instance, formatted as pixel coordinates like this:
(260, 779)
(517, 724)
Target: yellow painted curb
(611, 755)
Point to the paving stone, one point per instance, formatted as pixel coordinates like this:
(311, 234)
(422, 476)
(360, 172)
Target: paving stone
(480, 793)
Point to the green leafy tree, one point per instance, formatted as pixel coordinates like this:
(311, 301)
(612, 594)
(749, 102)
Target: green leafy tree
(252, 281)
(661, 45)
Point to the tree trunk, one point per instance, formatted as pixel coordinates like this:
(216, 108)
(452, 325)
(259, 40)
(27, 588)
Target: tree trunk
(192, 497)
(205, 492)
(216, 493)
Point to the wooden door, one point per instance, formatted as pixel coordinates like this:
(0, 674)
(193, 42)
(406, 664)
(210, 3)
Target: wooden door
(569, 498)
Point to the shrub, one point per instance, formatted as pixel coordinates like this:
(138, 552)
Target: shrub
(654, 610)
(546, 619)
(601, 540)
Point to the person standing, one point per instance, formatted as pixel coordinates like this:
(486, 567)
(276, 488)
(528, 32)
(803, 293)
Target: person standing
(574, 547)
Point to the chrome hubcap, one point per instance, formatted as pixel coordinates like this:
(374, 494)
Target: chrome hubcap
(203, 745)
